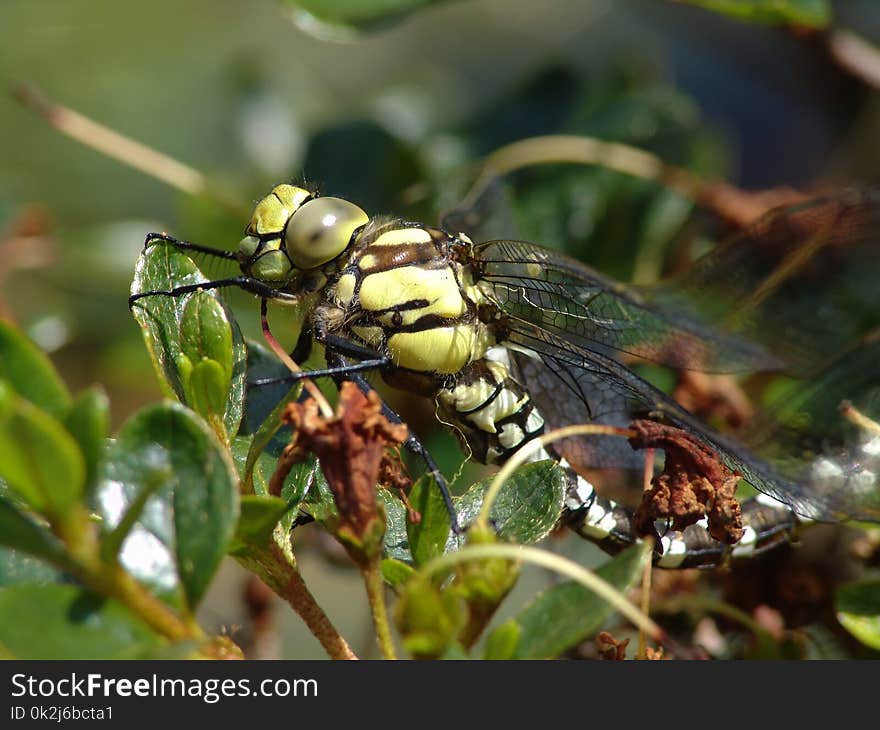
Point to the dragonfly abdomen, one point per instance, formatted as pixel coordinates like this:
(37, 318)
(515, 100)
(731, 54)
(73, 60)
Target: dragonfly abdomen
(495, 416)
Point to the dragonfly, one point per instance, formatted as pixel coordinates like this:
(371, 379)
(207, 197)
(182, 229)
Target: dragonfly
(510, 339)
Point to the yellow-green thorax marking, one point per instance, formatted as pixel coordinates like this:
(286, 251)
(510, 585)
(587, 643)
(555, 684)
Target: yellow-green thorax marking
(403, 293)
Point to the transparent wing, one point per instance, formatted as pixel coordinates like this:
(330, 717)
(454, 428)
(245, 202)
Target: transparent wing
(802, 280)
(568, 299)
(821, 465)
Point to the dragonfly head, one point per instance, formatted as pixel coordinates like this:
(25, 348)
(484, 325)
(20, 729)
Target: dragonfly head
(291, 230)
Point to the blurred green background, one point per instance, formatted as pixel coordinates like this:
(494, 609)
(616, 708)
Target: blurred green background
(251, 93)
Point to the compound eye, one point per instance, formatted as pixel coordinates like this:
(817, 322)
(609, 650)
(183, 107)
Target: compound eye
(321, 230)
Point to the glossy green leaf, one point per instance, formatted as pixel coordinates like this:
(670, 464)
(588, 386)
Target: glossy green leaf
(65, 622)
(811, 13)
(858, 610)
(258, 518)
(205, 362)
(526, 509)
(205, 333)
(88, 421)
(39, 460)
(396, 572)
(179, 336)
(427, 538)
(396, 540)
(169, 498)
(206, 389)
(563, 616)
(30, 373)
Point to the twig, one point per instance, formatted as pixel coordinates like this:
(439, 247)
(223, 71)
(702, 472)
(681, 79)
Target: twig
(119, 147)
(375, 586)
(555, 562)
(856, 55)
(308, 383)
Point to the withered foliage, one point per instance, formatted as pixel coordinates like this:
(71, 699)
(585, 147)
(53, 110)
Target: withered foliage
(613, 649)
(351, 447)
(610, 648)
(740, 207)
(693, 484)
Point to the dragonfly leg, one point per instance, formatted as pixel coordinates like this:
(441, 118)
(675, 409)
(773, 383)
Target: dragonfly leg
(249, 284)
(188, 246)
(338, 350)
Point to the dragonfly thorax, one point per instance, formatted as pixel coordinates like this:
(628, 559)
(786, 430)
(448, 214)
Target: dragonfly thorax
(402, 293)
(292, 231)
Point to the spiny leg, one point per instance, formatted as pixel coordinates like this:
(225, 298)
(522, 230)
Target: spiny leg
(247, 283)
(189, 246)
(335, 347)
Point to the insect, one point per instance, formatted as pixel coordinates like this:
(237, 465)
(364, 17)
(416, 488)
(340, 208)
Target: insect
(509, 339)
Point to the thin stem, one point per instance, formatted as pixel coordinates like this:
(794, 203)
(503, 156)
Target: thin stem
(308, 383)
(376, 595)
(712, 605)
(642, 652)
(300, 598)
(586, 151)
(118, 146)
(554, 562)
(83, 560)
(121, 586)
(530, 449)
(277, 567)
(856, 55)
(855, 416)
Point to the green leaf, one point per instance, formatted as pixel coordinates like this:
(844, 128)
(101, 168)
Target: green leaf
(88, 421)
(65, 622)
(17, 567)
(566, 614)
(261, 440)
(427, 618)
(205, 333)
(427, 538)
(206, 389)
(22, 532)
(340, 19)
(259, 516)
(39, 460)
(299, 480)
(265, 400)
(526, 509)
(396, 572)
(180, 336)
(811, 13)
(858, 610)
(205, 362)
(502, 642)
(169, 495)
(30, 373)
(396, 540)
